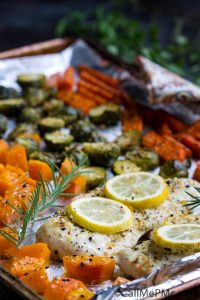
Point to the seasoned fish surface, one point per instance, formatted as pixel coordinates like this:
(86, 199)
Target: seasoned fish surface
(66, 238)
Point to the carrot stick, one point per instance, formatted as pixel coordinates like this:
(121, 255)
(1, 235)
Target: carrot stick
(96, 89)
(196, 175)
(192, 144)
(131, 121)
(89, 78)
(104, 77)
(91, 95)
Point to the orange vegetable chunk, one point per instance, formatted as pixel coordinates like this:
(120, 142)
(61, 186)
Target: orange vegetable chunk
(77, 185)
(37, 250)
(60, 288)
(192, 144)
(89, 269)
(26, 265)
(37, 280)
(196, 175)
(39, 168)
(5, 244)
(80, 295)
(16, 156)
(3, 151)
(66, 166)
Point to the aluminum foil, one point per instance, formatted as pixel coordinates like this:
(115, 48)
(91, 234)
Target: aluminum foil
(161, 283)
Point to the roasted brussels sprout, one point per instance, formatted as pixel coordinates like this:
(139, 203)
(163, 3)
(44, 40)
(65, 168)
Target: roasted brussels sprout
(11, 106)
(31, 115)
(31, 80)
(107, 114)
(129, 140)
(77, 155)
(7, 92)
(53, 107)
(83, 131)
(102, 154)
(50, 124)
(3, 124)
(69, 120)
(22, 129)
(144, 158)
(35, 96)
(174, 168)
(29, 144)
(94, 176)
(124, 166)
(56, 157)
(58, 140)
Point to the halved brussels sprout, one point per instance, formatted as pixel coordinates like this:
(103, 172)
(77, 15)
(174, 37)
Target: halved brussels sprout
(7, 92)
(107, 114)
(50, 124)
(31, 115)
(58, 140)
(56, 157)
(83, 131)
(31, 80)
(69, 120)
(11, 106)
(102, 154)
(22, 129)
(124, 166)
(77, 155)
(29, 144)
(144, 158)
(53, 107)
(129, 140)
(3, 124)
(94, 176)
(174, 168)
(35, 96)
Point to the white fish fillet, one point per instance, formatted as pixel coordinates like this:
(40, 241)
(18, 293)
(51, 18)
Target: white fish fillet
(66, 238)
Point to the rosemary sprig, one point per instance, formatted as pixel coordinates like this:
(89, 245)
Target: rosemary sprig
(42, 198)
(195, 201)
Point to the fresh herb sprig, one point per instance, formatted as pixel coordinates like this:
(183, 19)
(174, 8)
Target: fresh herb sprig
(42, 198)
(195, 201)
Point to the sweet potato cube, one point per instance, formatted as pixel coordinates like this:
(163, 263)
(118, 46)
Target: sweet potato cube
(37, 280)
(80, 295)
(38, 169)
(17, 157)
(89, 269)
(26, 265)
(5, 244)
(60, 288)
(37, 250)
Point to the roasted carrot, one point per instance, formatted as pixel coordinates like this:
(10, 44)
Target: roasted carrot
(170, 149)
(101, 76)
(164, 129)
(151, 140)
(89, 78)
(16, 156)
(194, 130)
(3, 151)
(192, 144)
(131, 121)
(196, 175)
(91, 95)
(96, 89)
(89, 269)
(175, 124)
(38, 169)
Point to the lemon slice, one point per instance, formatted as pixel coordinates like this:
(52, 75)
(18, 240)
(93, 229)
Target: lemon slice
(100, 214)
(140, 189)
(180, 236)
